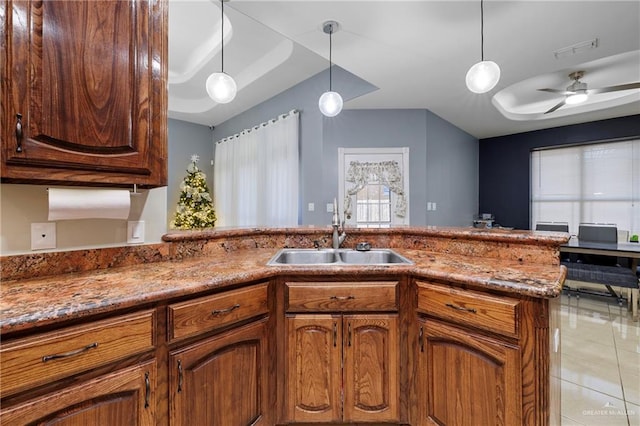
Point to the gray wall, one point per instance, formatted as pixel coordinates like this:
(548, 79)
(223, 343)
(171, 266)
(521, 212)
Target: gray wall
(443, 158)
(304, 98)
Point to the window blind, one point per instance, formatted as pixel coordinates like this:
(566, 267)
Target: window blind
(595, 183)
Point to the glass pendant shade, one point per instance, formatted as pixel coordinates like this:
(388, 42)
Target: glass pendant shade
(483, 76)
(221, 87)
(330, 103)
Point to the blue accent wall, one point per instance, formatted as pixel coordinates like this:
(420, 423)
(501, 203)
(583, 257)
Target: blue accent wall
(504, 163)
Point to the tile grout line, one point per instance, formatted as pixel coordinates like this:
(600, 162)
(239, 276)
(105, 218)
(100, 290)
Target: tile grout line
(615, 346)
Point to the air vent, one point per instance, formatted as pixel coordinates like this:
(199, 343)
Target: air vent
(576, 48)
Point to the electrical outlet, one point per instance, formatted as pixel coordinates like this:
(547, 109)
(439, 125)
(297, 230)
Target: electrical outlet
(433, 206)
(311, 207)
(329, 207)
(43, 236)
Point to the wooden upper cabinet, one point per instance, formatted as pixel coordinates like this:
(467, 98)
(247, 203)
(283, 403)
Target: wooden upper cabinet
(84, 93)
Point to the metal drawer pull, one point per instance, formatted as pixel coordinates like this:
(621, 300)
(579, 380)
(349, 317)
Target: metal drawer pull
(335, 334)
(461, 308)
(225, 311)
(19, 132)
(147, 387)
(421, 339)
(70, 353)
(342, 297)
(180, 376)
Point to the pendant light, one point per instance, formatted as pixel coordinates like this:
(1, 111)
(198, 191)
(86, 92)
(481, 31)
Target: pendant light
(220, 86)
(484, 75)
(330, 103)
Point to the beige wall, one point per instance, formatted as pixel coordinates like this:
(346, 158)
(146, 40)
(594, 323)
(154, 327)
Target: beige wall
(21, 205)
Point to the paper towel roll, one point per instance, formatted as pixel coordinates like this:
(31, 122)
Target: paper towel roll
(88, 204)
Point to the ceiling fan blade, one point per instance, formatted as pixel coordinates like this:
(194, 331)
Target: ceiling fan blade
(562, 92)
(558, 105)
(619, 87)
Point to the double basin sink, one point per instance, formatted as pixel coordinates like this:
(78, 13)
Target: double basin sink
(328, 257)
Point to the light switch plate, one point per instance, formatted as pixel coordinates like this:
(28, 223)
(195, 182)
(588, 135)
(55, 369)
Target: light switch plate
(43, 236)
(135, 232)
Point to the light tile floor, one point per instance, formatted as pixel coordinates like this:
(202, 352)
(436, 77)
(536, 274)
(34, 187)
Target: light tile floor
(600, 352)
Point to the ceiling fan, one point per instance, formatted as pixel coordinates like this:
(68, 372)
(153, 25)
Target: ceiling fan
(578, 92)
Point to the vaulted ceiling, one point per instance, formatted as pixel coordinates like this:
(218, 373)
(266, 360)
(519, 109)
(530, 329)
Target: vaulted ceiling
(416, 53)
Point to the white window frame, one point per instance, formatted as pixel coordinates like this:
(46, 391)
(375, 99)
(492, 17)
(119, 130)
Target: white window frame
(346, 155)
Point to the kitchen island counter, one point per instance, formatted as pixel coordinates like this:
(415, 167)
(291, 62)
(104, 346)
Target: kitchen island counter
(187, 264)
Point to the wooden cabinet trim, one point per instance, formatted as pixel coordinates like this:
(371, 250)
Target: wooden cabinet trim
(441, 402)
(379, 296)
(208, 313)
(191, 376)
(137, 382)
(42, 358)
(492, 313)
(92, 104)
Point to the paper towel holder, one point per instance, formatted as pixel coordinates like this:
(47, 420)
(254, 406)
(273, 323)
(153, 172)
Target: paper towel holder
(133, 191)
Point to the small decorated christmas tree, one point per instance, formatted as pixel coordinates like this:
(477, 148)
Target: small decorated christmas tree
(195, 206)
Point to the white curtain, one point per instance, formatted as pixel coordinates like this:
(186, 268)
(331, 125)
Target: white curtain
(255, 175)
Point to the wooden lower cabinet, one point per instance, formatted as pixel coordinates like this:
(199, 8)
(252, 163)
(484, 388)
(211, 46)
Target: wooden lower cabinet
(222, 380)
(465, 378)
(124, 397)
(342, 368)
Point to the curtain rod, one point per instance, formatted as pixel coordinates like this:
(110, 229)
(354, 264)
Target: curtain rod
(245, 131)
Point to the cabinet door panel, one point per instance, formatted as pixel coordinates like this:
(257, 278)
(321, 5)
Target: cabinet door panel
(467, 379)
(86, 89)
(123, 398)
(371, 374)
(314, 350)
(222, 380)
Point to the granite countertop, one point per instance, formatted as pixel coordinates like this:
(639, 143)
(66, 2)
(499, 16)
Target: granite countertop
(35, 302)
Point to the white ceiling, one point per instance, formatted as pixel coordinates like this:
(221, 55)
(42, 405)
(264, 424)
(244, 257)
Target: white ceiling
(416, 52)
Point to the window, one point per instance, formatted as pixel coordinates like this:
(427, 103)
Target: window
(595, 183)
(374, 186)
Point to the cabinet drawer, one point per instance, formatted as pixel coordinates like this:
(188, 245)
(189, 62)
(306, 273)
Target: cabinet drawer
(47, 357)
(342, 296)
(493, 313)
(218, 310)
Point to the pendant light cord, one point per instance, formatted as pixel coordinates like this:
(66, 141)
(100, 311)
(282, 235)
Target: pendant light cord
(481, 30)
(222, 36)
(330, 37)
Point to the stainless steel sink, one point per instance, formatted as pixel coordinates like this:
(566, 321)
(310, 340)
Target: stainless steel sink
(371, 257)
(327, 257)
(303, 257)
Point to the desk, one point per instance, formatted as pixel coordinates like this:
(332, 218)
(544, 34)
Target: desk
(627, 250)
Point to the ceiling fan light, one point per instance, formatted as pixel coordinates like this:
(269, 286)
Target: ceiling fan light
(483, 76)
(577, 98)
(221, 87)
(330, 104)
